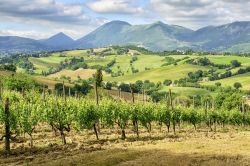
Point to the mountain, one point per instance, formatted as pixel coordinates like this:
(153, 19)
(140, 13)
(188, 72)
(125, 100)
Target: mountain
(233, 37)
(20, 44)
(59, 41)
(157, 36)
(107, 34)
(14, 44)
(222, 37)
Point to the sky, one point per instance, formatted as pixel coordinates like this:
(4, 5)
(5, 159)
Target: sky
(41, 19)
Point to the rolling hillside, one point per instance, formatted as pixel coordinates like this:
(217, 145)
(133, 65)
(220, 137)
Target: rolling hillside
(160, 73)
(156, 36)
(150, 67)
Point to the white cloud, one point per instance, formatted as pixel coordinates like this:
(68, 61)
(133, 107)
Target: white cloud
(28, 34)
(43, 18)
(115, 6)
(49, 10)
(199, 13)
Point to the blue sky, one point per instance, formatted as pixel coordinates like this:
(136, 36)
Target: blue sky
(42, 18)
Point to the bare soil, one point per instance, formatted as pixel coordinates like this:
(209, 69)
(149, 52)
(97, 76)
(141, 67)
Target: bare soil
(227, 146)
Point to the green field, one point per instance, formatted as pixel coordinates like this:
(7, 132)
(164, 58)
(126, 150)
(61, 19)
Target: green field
(44, 63)
(102, 61)
(227, 59)
(186, 91)
(160, 74)
(244, 79)
(149, 67)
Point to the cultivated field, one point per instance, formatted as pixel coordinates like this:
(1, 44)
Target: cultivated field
(244, 79)
(74, 75)
(160, 74)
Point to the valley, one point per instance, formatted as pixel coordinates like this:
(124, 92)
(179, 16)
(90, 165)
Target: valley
(152, 67)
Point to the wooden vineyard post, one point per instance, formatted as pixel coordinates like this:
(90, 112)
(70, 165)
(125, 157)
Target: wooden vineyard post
(1, 91)
(243, 110)
(119, 93)
(143, 96)
(64, 93)
(171, 106)
(69, 91)
(132, 93)
(193, 102)
(170, 99)
(96, 94)
(135, 121)
(43, 92)
(75, 94)
(22, 92)
(7, 128)
(97, 103)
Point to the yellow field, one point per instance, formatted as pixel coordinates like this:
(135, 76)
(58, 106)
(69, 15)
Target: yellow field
(82, 73)
(49, 82)
(187, 147)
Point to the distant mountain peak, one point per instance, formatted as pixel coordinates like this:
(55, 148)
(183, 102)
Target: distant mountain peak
(158, 36)
(61, 35)
(159, 23)
(118, 22)
(59, 40)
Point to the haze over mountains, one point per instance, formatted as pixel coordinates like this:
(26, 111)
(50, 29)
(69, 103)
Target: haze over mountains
(233, 37)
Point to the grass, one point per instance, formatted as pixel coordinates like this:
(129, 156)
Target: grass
(95, 60)
(122, 63)
(186, 91)
(82, 73)
(5, 73)
(44, 63)
(50, 82)
(52, 60)
(244, 79)
(153, 62)
(149, 61)
(76, 53)
(187, 147)
(160, 74)
(245, 61)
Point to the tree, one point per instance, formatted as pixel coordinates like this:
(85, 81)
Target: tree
(167, 82)
(84, 88)
(138, 86)
(124, 87)
(98, 77)
(8, 67)
(59, 88)
(108, 86)
(237, 85)
(235, 63)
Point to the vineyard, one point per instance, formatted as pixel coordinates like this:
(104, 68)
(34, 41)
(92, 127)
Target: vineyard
(21, 113)
(39, 124)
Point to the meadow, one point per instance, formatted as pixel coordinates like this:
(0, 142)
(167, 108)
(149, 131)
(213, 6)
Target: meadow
(149, 67)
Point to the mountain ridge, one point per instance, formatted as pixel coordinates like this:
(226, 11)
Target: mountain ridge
(157, 36)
